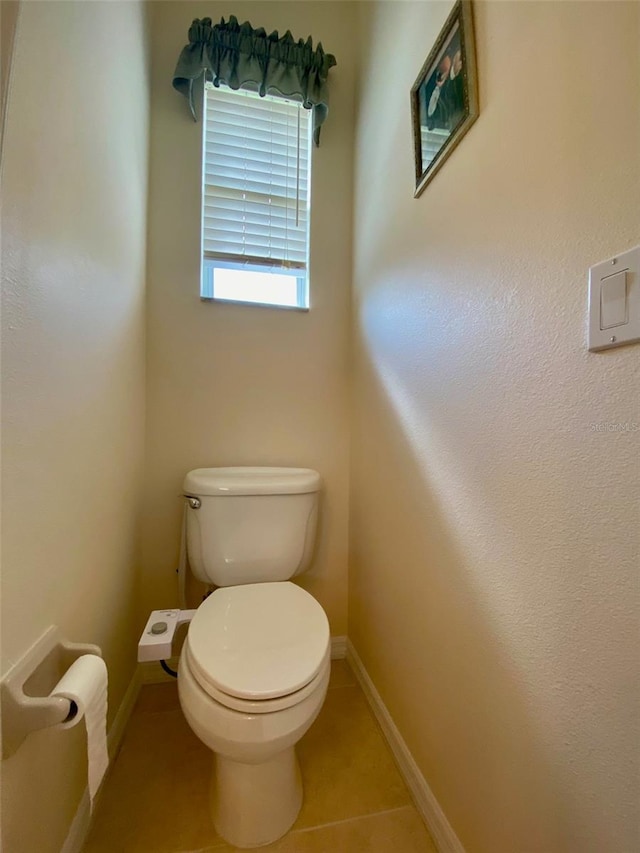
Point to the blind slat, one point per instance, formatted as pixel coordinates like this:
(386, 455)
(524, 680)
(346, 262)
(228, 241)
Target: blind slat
(246, 185)
(241, 227)
(234, 116)
(248, 259)
(222, 173)
(255, 212)
(220, 230)
(261, 140)
(233, 197)
(250, 221)
(234, 158)
(276, 254)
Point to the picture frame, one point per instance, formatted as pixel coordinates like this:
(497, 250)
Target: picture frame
(444, 98)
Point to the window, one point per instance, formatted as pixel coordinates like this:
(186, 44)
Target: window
(255, 201)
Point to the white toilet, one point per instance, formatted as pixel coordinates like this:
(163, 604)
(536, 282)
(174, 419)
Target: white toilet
(255, 664)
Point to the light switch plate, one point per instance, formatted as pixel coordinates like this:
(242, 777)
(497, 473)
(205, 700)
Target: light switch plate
(614, 301)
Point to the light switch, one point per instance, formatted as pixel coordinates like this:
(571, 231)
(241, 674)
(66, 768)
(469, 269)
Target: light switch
(613, 300)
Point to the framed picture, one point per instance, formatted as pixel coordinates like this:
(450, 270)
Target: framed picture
(444, 98)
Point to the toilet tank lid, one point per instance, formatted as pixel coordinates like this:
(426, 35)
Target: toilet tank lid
(251, 481)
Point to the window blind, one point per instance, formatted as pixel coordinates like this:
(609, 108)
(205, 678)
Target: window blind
(432, 142)
(256, 180)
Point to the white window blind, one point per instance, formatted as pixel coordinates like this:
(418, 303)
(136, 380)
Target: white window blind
(255, 217)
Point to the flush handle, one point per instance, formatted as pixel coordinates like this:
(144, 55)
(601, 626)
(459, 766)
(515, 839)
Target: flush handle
(194, 503)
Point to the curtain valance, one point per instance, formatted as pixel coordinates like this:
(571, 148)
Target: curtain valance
(244, 58)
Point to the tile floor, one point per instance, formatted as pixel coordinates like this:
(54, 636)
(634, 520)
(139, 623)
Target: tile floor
(155, 798)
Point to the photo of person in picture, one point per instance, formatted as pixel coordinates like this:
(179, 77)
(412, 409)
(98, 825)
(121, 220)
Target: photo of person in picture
(442, 102)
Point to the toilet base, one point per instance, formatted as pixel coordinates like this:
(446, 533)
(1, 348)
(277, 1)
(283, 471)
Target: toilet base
(255, 804)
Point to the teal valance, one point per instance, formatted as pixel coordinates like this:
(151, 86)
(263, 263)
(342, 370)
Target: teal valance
(244, 58)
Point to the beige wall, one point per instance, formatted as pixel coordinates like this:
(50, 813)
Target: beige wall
(495, 536)
(238, 385)
(73, 230)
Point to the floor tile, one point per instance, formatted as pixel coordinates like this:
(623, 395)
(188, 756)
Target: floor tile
(341, 675)
(157, 697)
(347, 768)
(397, 831)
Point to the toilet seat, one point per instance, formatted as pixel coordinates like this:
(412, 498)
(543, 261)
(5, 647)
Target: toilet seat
(258, 647)
(259, 706)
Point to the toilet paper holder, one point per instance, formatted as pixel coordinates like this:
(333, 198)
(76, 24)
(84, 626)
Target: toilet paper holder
(24, 691)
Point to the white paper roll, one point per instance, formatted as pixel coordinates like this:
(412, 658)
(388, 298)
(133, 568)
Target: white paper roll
(85, 683)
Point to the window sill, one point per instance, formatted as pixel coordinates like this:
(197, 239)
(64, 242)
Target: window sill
(247, 304)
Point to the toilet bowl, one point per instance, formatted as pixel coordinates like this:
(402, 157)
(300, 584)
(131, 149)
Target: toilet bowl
(252, 678)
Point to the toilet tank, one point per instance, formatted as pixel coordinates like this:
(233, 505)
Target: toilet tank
(250, 525)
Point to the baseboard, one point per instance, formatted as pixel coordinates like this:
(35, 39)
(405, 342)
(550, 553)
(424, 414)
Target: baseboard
(338, 648)
(119, 724)
(441, 831)
(79, 829)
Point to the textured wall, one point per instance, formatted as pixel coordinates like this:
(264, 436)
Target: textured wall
(495, 535)
(238, 385)
(74, 176)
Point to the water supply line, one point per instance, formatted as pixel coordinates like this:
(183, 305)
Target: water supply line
(168, 669)
(182, 559)
(182, 568)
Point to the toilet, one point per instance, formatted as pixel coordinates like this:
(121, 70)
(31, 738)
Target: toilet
(254, 667)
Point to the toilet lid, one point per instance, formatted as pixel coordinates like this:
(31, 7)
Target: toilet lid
(258, 641)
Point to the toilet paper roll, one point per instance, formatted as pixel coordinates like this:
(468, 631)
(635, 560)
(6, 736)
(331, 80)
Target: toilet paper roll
(85, 684)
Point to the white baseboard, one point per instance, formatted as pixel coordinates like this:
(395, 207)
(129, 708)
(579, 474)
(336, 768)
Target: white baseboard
(79, 829)
(441, 831)
(338, 648)
(119, 724)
